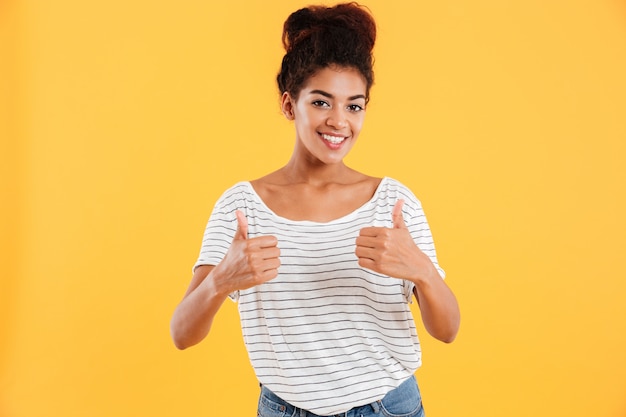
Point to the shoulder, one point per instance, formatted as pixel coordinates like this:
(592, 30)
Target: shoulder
(236, 196)
(238, 189)
(392, 188)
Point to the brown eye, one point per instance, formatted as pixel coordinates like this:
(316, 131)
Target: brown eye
(320, 103)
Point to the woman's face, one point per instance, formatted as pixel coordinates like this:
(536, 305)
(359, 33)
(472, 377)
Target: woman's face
(328, 113)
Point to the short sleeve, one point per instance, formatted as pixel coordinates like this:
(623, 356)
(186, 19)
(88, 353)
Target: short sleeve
(415, 219)
(221, 227)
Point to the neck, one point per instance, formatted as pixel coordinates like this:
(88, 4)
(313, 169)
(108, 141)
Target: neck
(319, 174)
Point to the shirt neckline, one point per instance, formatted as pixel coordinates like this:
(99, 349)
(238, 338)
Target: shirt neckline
(353, 213)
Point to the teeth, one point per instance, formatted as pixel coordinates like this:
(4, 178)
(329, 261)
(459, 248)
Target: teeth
(333, 139)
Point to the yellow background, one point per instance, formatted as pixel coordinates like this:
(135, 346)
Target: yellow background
(122, 122)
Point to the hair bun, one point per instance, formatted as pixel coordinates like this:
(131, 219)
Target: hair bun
(347, 19)
(299, 25)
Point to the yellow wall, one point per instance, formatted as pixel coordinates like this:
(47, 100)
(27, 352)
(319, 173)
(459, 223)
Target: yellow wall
(122, 122)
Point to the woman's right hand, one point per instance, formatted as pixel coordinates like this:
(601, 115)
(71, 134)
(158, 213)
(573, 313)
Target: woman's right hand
(248, 262)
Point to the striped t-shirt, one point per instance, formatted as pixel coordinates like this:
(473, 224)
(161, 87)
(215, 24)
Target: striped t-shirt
(325, 335)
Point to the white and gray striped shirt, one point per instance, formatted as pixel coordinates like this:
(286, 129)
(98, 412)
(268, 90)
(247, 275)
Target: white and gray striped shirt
(325, 335)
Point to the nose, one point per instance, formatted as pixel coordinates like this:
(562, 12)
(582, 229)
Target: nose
(337, 119)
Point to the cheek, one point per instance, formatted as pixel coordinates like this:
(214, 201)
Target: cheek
(302, 123)
(357, 124)
(305, 120)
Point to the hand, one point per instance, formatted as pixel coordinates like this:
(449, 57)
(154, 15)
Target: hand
(392, 251)
(249, 262)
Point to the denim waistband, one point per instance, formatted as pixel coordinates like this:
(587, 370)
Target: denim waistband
(292, 411)
(299, 412)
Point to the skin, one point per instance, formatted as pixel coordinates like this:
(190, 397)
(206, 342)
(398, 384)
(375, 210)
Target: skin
(330, 105)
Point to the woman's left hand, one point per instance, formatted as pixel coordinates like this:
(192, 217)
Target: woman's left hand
(392, 251)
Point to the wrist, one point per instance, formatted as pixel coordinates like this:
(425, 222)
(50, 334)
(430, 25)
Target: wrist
(426, 276)
(218, 285)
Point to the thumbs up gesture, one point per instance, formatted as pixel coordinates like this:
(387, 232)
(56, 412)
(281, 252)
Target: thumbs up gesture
(249, 262)
(392, 251)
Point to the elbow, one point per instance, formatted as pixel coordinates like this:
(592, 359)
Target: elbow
(453, 331)
(450, 328)
(178, 337)
(178, 341)
(449, 338)
(447, 333)
(180, 345)
(185, 337)
(446, 337)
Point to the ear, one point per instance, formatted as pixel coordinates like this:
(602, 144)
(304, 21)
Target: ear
(287, 105)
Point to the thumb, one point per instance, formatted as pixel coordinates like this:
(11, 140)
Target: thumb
(396, 215)
(242, 226)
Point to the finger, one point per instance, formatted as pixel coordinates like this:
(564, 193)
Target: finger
(371, 231)
(270, 253)
(368, 264)
(269, 274)
(364, 241)
(242, 226)
(396, 215)
(261, 242)
(363, 252)
(272, 264)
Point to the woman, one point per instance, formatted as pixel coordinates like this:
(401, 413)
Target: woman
(323, 260)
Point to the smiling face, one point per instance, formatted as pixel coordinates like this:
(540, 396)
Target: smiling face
(328, 113)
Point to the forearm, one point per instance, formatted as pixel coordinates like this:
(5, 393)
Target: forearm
(192, 319)
(439, 308)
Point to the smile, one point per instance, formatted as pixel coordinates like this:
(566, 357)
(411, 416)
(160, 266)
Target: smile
(333, 139)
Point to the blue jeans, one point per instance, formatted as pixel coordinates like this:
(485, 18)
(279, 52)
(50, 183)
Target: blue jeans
(404, 401)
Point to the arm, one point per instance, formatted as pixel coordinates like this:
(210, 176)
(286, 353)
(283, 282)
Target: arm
(247, 263)
(194, 315)
(438, 306)
(394, 253)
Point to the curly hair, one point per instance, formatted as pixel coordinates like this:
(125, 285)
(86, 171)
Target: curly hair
(316, 37)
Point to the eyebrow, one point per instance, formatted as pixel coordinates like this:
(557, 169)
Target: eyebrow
(325, 94)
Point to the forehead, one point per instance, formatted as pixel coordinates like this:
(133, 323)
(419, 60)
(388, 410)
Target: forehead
(338, 81)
